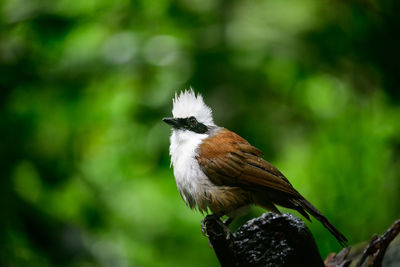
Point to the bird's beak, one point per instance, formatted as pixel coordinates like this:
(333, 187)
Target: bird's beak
(173, 122)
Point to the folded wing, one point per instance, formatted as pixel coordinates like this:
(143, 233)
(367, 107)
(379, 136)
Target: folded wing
(228, 159)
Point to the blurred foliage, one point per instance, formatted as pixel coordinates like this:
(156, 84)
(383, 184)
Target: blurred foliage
(84, 85)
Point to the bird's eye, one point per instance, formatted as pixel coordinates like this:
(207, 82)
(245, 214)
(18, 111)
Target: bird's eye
(192, 120)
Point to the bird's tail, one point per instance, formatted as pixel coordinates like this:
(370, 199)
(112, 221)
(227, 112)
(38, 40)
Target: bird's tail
(325, 222)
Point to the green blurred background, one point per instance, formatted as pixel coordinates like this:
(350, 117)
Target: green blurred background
(85, 177)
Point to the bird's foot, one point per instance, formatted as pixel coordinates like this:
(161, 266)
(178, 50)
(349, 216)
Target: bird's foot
(204, 222)
(223, 225)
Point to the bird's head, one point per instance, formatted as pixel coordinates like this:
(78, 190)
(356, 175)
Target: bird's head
(190, 113)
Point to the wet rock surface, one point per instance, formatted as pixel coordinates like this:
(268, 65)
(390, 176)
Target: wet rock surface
(269, 240)
(284, 240)
(275, 240)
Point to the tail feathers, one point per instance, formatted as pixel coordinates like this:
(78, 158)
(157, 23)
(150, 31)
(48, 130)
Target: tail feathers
(317, 215)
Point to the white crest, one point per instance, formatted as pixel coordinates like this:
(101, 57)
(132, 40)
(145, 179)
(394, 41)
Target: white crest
(187, 104)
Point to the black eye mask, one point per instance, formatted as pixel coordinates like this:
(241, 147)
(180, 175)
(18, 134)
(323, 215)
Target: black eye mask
(193, 125)
(190, 124)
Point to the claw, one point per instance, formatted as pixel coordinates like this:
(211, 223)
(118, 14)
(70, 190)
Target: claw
(204, 223)
(224, 225)
(203, 227)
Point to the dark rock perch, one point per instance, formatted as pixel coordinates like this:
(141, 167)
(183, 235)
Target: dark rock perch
(269, 240)
(283, 240)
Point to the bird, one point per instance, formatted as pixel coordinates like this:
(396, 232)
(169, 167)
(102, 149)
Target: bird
(220, 172)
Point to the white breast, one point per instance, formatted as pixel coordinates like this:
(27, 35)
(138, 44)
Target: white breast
(192, 183)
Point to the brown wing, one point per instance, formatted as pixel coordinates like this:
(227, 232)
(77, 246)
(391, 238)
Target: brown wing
(228, 159)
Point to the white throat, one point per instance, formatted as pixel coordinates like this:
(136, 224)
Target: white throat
(190, 179)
